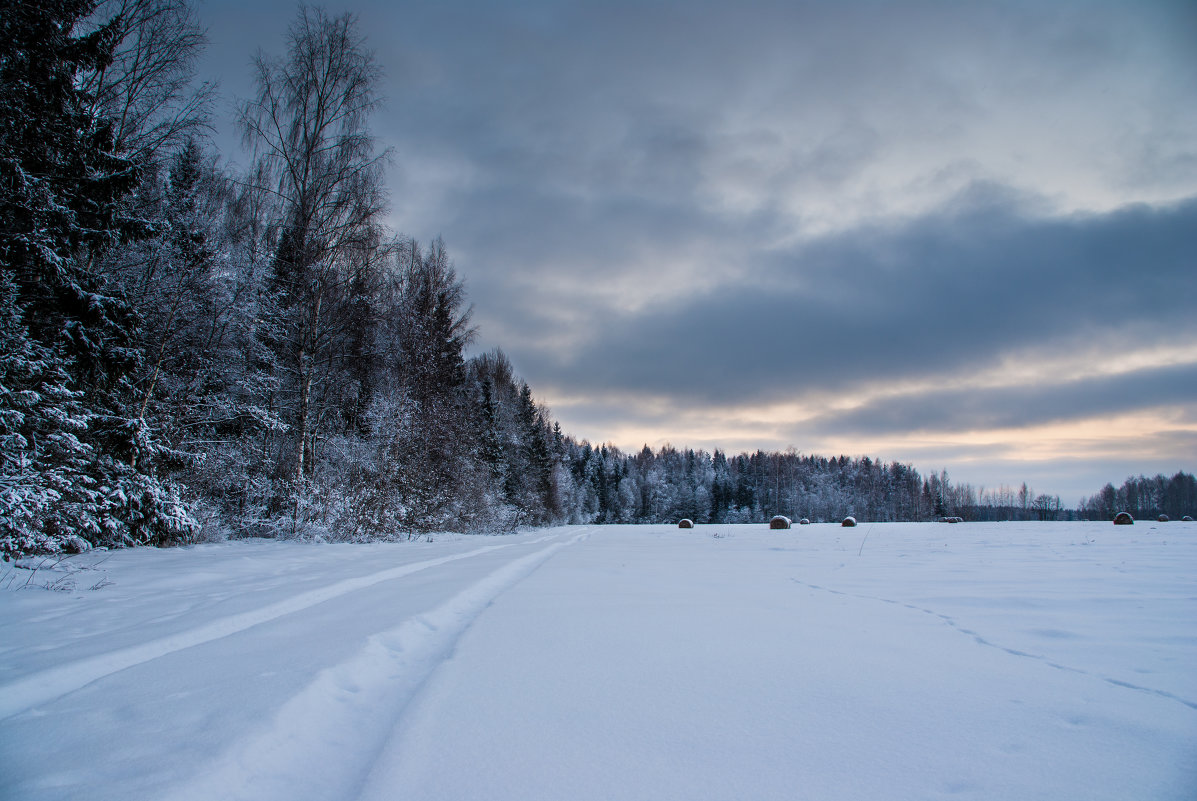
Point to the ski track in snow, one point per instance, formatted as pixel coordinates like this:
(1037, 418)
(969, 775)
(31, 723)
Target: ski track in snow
(38, 688)
(323, 742)
(950, 621)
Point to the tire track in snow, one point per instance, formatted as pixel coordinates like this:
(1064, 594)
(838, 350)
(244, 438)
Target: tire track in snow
(38, 688)
(979, 640)
(323, 742)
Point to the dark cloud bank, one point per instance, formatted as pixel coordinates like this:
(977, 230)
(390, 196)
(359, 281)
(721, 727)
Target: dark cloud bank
(949, 292)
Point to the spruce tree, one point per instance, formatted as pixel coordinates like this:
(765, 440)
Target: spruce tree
(81, 468)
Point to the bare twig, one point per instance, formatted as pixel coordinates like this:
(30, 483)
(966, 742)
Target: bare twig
(63, 583)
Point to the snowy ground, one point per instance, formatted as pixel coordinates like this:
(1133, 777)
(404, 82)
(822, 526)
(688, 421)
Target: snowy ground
(901, 661)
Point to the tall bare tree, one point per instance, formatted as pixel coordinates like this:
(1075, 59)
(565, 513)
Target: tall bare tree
(308, 127)
(146, 92)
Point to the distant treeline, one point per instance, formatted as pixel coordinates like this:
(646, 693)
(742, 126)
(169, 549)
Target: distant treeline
(606, 486)
(1145, 497)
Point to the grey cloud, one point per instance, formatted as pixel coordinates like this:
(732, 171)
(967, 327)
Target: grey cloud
(1072, 478)
(948, 292)
(1012, 407)
(559, 110)
(504, 82)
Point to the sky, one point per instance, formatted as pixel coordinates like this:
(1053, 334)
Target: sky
(958, 235)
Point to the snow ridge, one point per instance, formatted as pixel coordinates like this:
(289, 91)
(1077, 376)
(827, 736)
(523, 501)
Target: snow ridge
(38, 688)
(323, 742)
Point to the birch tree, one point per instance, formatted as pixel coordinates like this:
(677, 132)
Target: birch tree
(308, 127)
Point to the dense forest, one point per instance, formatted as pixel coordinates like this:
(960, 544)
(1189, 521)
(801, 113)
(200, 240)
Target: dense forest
(194, 353)
(604, 485)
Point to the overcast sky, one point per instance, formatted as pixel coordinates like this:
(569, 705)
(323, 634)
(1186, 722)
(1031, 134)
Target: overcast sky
(957, 234)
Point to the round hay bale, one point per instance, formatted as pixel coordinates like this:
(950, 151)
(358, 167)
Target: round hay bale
(804, 522)
(1163, 518)
(779, 521)
(849, 522)
(1186, 519)
(1123, 519)
(685, 522)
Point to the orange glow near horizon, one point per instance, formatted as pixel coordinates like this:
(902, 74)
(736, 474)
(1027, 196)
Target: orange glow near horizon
(1159, 432)
(1136, 434)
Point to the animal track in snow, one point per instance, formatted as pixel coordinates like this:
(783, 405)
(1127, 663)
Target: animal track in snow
(950, 621)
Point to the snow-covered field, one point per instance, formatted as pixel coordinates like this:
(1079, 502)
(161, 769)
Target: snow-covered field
(900, 661)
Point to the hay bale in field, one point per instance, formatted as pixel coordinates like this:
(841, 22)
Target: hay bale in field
(685, 522)
(779, 521)
(849, 522)
(1123, 519)
(1186, 519)
(1163, 518)
(804, 522)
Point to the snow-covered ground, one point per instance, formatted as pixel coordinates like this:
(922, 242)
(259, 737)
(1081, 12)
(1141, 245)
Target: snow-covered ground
(900, 661)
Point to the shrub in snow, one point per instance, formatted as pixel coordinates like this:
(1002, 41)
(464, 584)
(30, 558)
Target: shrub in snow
(849, 521)
(73, 543)
(779, 521)
(1123, 519)
(685, 522)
